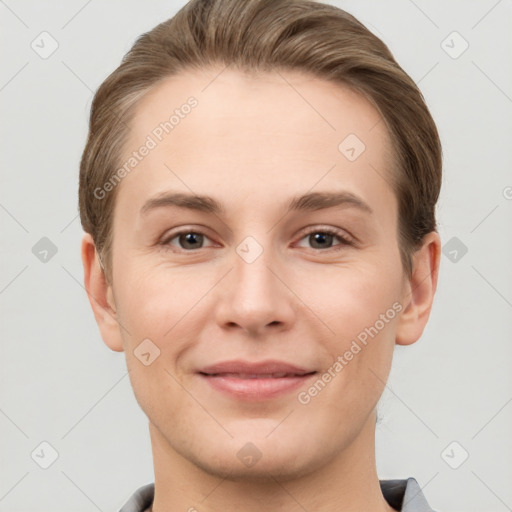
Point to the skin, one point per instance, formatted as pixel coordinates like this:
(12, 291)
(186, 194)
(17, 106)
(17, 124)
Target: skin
(253, 143)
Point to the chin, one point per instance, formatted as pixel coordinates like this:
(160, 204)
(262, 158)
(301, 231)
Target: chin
(266, 470)
(256, 456)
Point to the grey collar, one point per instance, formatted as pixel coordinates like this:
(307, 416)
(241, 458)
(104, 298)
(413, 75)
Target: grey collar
(403, 495)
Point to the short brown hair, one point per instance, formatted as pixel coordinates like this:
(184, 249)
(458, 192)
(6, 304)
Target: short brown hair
(266, 35)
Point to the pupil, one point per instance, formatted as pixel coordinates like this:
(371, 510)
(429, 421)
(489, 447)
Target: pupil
(190, 238)
(321, 237)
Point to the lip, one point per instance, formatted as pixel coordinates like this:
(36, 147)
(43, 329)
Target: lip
(257, 381)
(266, 367)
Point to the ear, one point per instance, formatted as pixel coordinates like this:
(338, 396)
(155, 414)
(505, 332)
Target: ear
(100, 295)
(418, 291)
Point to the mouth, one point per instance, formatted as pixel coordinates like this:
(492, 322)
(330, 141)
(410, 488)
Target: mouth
(255, 387)
(256, 375)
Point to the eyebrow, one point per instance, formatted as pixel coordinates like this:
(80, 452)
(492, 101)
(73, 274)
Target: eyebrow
(307, 202)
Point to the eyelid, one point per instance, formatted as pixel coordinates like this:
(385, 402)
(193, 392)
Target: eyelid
(346, 238)
(172, 234)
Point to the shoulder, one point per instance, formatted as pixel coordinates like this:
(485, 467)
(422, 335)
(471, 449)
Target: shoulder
(140, 500)
(405, 495)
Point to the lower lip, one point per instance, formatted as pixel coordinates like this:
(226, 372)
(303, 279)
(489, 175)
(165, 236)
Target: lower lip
(256, 389)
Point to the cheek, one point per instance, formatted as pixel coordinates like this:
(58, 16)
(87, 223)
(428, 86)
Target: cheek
(154, 301)
(167, 307)
(349, 300)
(156, 307)
(158, 392)
(362, 308)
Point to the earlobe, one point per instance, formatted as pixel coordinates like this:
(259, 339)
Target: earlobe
(419, 291)
(100, 295)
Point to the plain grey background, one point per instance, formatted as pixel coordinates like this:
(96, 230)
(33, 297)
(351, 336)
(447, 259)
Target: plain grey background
(447, 410)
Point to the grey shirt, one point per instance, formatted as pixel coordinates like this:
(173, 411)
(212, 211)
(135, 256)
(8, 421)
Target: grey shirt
(403, 495)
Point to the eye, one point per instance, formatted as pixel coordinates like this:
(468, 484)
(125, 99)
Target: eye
(322, 238)
(187, 239)
(319, 237)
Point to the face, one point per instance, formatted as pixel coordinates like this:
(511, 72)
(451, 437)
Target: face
(314, 285)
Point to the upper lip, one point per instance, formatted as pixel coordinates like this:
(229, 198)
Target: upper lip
(256, 368)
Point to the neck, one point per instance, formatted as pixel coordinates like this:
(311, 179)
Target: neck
(347, 482)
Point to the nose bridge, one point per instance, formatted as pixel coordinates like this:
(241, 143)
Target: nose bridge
(252, 273)
(254, 296)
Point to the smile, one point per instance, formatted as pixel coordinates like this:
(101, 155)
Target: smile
(256, 387)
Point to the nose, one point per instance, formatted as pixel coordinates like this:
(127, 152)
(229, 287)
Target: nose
(254, 296)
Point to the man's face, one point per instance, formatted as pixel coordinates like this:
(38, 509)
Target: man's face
(256, 281)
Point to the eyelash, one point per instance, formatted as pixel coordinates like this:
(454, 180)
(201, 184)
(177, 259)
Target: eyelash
(345, 240)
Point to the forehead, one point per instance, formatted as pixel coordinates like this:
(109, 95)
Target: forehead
(274, 103)
(246, 130)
